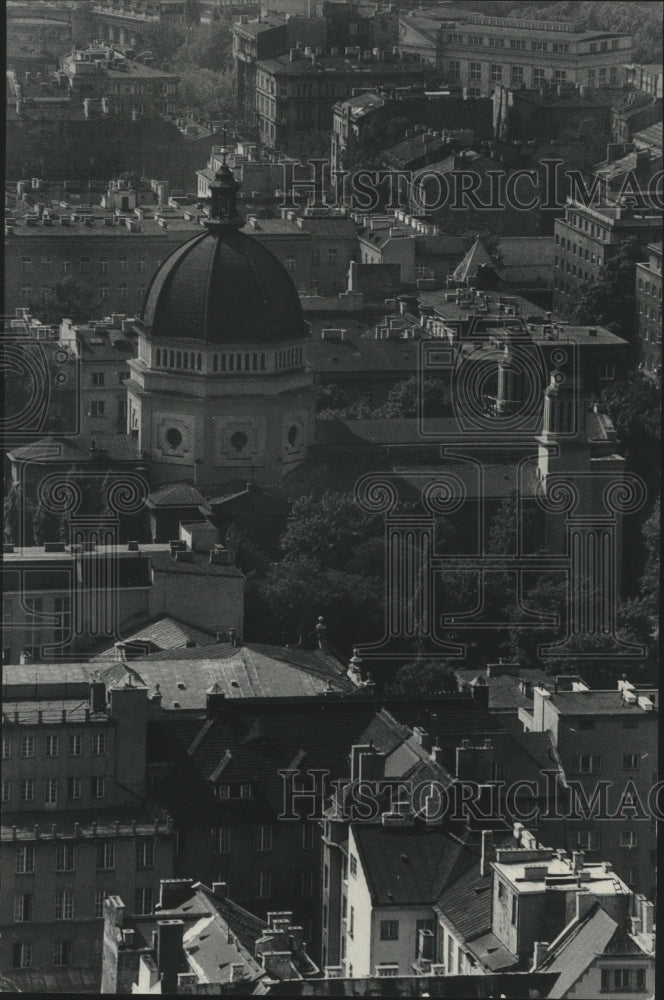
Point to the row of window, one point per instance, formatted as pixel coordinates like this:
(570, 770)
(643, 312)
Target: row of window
(99, 378)
(517, 74)
(85, 264)
(104, 292)
(22, 954)
(51, 789)
(591, 763)
(65, 856)
(98, 409)
(580, 222)
(518, 44)
(644, 285)
(623, 980)
(262, 838)
(51, 744)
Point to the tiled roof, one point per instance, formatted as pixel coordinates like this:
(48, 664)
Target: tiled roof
(466, 902)
(594, 703)
(160, 635)
(84, 981)
(118, 448)
(578, 947)
(493, 954)
(176, 495)
(245, 672)
(411, 865)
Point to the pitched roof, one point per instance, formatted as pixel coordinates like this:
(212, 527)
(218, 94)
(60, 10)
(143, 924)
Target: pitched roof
(411, 865)
(579, 945)
(176, 495)
(158, 636)
(466, 901)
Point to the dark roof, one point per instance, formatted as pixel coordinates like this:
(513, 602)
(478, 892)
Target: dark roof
(159, 636)
(514, 986)
(176, 495)
(466, 902)
(595, 703)
(114, 447)
(411, 865)
(223, 287)
(578, 947)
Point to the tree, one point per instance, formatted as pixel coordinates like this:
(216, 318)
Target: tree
(421, 679)
(14, 512)
(331, 397)
(328, 530)
(404, 399)
(650, 578)
(68, 298)
(610, 299)
(45, 526)
(204, 93)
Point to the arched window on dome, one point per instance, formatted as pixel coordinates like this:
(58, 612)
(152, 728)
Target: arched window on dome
(199, 361)
(172, 364)
(178, 360)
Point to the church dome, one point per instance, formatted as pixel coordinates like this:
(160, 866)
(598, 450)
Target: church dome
(223, 287)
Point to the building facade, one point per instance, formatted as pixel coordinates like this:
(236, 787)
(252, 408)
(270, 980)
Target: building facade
(130, 88)
(73, 831)
(586, 239)
(649, 308)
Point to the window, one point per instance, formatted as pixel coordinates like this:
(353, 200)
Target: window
(496, 73)
(26, 263)
(332, 255)
(103, 264)
(304, 884)
(353, 866)
(602, 77)
(475, 39)
(103, 291)
(64, 858)
(290, 263)
(98, 788)
(588, 840)
(142, 264)
(122, 378)
(62, 952)
(65, 266)
(106, 854)
(98, 378)
(180, 841)
(623, 980)
(145, 853)
(21, 955)
(476, 72)
(561, 48)
(222, 791)
(516, 75)
(455, 39)
(99, 744)
(22, 907)
(6, 791)
(27, 790)
(305, 836)
(539, 77)
(559, 76)
(633, 878)
(97, 408)
(51, 791)
(539, 46)
(629, 838)
(123, 290)
(27, 746)
(263, 885)
(351, 922)
(52, 745)
(263, 838)
(6, 748)
(613, 76)
(496, 43)
(100, 896)
(143, 902)
(64, 904)
(589, 763)
(25, 859)
(73, 788)
(26, 294)
(221, 839)
(76, 745)
(631, 761)
(122, 263)
(245, 791)
(389, 930)
(455, 69)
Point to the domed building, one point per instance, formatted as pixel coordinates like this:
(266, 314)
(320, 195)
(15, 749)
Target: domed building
(218, 391)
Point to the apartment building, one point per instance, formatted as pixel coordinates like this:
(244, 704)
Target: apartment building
(131, 88)
(587, 237)
(551, 112)
(649, 308)
(74, 831)
(606, 736)
(122, 22)
(55, 602)
(295, 93)
(480, 52)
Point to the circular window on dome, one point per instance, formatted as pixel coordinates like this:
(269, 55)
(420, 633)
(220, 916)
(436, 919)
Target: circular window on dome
(173, 438)
(293, 436)
(239, 441)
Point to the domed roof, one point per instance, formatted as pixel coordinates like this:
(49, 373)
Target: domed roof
(223, 287)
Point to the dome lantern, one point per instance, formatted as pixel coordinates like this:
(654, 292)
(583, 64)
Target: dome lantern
(223, 200)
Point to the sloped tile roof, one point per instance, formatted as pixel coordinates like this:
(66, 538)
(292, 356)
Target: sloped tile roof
(159, 636)
(176, 495)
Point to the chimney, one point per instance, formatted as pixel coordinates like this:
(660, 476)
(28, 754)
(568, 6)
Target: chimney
(98, 696)
(517, 831)
(647, 916)
(585, 900)
(578, 858)
(214, 701)
(422, 737)
(169, 951)
(220, 889)
(539, 951)
(173, 891)
(425, 942)
(487, 851)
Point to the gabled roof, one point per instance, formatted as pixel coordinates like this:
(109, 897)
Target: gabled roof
(579, 945)
(176, 495)
(158, 636)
